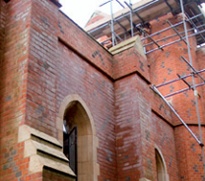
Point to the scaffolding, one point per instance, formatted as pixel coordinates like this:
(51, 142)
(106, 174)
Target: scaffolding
(129, 22)
(136, 26)
(132, 21)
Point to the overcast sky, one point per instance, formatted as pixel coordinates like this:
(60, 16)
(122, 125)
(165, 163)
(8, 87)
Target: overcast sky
(81, 10)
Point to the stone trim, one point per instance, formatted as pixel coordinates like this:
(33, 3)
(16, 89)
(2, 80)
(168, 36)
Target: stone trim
(85, 161)
(132, 42)
(123, 46)
(43, 151)
(166, 175)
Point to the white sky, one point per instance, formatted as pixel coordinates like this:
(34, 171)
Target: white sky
(81, 10)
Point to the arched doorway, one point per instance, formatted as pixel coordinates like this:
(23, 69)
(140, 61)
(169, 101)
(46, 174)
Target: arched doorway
(160, 166)
(79, 138)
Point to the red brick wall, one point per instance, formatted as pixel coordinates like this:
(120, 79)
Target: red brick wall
(83, 44)
(128, 62)
(47, 58)
(164, 65)
(13, 88)
(201, 90)
(76, 76)
(128, 132)
(161, 135)
(56, 70)
(189, 154)
(15, 28)
(41, 94)
(2, 27)
(139, 131)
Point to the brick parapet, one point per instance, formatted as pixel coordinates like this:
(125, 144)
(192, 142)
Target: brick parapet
(73, 36)
(129, 62)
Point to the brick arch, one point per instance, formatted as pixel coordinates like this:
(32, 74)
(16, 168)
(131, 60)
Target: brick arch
(88, 168)
(160, 166)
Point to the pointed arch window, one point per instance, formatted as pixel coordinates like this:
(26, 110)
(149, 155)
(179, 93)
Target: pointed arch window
(160, 166)
(78, 142)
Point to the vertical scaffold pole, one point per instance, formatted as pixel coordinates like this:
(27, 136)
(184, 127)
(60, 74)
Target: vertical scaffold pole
(193, 81)
(112, 24)
(131, 19)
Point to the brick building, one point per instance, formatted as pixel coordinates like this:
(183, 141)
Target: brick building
(74, 110)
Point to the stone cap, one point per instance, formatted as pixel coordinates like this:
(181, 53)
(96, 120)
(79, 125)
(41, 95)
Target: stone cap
(129, 43)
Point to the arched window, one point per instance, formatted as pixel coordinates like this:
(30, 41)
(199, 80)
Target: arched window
(79, 138)
(161, 167)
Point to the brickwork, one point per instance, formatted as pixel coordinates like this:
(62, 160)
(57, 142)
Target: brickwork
(128, 134)
(161, 134)
(166, 64)
(13, 89)
(139, 131)
(136, 64)
(77, 76)
(2, 27)
(42, 77)
(200, 57)
(45, 58)
(189, 155)
(49, 82)
(73, 36)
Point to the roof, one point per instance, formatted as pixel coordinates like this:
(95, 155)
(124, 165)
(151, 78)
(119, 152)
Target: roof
(96, 16)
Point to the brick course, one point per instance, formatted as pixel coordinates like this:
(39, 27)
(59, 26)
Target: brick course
(46, 57)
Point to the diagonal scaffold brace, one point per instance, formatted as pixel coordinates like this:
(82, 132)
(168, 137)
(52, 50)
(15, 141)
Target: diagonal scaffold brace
(174, 111)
